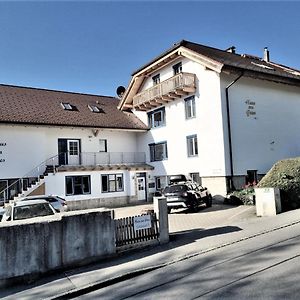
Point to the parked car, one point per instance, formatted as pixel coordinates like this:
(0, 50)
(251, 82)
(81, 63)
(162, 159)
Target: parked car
(186, 194)
(27, 209)
(2, 211)
(58, 203)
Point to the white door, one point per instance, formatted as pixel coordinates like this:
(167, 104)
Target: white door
(73, 152)
(141, 187)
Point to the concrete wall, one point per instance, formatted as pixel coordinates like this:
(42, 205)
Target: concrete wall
(29, 248)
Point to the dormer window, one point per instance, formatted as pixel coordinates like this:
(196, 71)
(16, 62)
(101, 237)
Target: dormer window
(68, 106)
(95, 109)
(156, 79)
(177, 68)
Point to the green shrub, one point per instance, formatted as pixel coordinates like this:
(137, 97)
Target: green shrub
(245, 196)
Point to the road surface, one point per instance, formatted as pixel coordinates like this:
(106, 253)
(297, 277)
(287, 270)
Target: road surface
(263, 267)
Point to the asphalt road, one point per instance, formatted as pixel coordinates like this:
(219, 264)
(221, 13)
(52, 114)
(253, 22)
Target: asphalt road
(262, 267)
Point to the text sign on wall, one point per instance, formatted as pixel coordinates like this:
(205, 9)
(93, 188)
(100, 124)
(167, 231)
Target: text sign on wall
(142, 222)
(2, 144)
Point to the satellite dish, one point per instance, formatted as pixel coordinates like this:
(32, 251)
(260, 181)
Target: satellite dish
(120, 91)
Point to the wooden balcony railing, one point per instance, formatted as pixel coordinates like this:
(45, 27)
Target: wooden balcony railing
(177, 86)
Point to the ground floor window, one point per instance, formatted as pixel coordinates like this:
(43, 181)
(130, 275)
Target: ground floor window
(78, 185)
(195, 177)
(112, 183)
(251, 178)
(161, 182)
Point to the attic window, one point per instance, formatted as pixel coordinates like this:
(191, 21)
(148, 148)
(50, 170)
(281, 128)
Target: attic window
(68, 106)
(262, 66)
(95, 109)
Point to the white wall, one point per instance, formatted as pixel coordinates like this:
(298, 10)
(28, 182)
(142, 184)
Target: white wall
(207, 125)
(272, 133)
(28, 146)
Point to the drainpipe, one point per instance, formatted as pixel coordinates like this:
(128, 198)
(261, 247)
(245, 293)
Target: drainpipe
(231, 185)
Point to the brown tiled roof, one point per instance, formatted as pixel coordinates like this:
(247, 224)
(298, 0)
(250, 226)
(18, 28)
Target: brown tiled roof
(22, 105)
(235, 61)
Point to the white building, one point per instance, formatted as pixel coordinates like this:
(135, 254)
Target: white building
(220, 117)
(77, 146)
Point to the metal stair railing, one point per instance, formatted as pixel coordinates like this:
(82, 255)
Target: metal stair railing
(35, 173)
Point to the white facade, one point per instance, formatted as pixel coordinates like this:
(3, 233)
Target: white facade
(26, 150)
(264, 119)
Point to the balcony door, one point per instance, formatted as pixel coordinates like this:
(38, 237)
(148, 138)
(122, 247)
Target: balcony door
(69, 151)
(73, 152)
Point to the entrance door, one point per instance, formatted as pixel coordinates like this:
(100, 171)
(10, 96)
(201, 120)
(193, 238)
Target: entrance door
(73, 152)
(141, 187)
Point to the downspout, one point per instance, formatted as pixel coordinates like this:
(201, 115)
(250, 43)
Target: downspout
(231, 185)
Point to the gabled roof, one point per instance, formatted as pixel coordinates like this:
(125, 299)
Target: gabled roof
(214, 59)
(23, 105)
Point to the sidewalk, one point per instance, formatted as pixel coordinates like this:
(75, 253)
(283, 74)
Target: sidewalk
(183, 244)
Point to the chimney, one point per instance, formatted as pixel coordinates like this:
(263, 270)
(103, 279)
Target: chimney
(266, 55)
(231, 49)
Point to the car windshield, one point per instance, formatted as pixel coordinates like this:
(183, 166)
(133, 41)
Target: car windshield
(175, 188)
(31, 211)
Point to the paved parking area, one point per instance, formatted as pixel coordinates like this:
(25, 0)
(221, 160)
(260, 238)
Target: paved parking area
(182, 220)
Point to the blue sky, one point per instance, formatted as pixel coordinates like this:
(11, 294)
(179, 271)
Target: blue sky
(93, 47)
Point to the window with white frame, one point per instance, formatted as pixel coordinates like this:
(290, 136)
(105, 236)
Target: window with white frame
(190, 107)
(156, 79)
(161, 182)
(78, 185)
(192, 145)
(102, 145)
(156, 118)
(158, 151)
(195, 177)
(112, 183)
(177, 68)
(68, 106)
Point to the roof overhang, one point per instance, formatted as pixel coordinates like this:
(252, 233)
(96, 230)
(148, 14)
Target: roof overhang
(138, 77)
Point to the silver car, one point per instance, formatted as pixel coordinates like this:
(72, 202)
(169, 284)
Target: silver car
(27, 209)
(58, 203)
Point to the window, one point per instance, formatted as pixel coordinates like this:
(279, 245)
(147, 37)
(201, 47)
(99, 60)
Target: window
(156, 118)
(251, 178)
(78, 185)
(177, 68)
(190, 107)
(192, 145)
(73, 147)
(68, 106)
(195, 177)
(161, 182)
(158, 151)
(95, 109)
(102, 145)
(156, 79)
(112, 183)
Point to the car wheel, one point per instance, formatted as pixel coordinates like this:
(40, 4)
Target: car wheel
(208, 201)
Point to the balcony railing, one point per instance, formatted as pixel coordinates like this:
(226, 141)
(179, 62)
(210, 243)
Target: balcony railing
(109, 158)
(179, 85)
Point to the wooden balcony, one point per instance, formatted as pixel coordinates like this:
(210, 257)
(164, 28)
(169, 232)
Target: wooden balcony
(181, 84)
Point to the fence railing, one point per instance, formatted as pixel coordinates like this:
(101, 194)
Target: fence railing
(179, 81)
(127, 235)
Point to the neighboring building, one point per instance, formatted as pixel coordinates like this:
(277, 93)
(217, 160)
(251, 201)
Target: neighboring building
(77, 146)
(220, 117)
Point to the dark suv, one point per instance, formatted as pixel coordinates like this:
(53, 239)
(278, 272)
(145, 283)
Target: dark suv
(186, 195)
